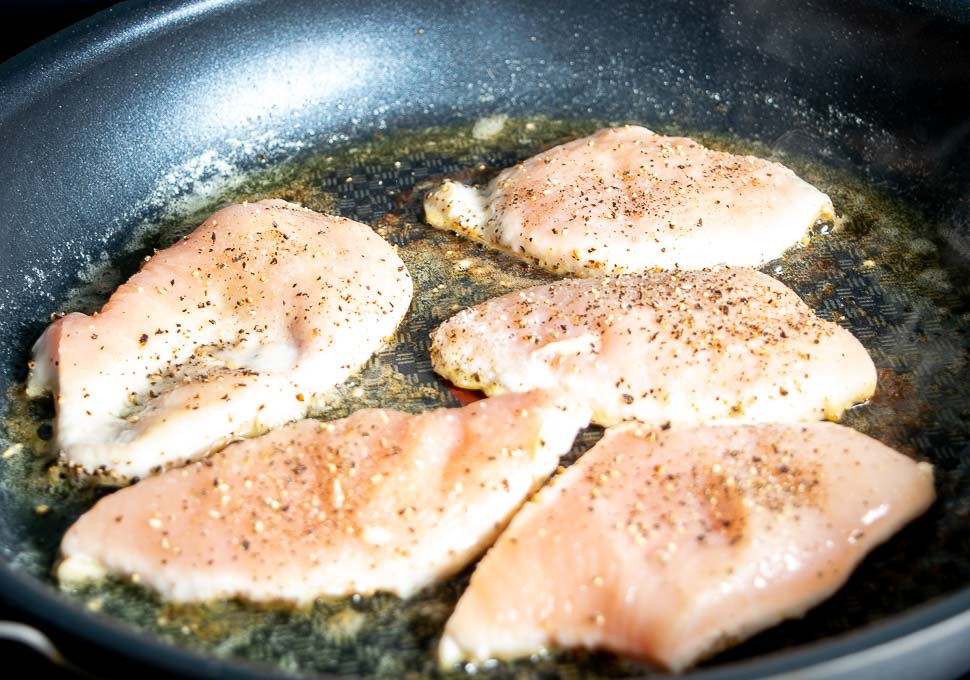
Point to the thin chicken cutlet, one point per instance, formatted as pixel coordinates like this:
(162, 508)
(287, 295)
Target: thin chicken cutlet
(668, 545)
(628, 200)
(379, 501)
(669, 347)
(228, 333)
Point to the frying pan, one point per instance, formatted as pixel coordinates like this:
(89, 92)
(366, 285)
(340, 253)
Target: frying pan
(108, 123)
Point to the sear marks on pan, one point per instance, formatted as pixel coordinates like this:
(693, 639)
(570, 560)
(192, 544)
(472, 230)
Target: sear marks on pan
(880, 272)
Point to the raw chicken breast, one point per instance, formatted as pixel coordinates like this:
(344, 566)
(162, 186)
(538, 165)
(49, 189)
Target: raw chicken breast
(382, 500)
(627, 200)
(678, 347)
(229, 332)
(670, 545)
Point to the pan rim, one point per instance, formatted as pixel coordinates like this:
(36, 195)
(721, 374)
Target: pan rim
(55, 60)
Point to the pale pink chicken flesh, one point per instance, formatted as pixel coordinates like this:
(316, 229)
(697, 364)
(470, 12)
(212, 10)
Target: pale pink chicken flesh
(670, 545)
(230, 332)
(379, 501)
(628, 200)
(672, 347)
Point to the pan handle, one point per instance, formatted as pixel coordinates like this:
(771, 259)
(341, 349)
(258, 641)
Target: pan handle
(29, 636)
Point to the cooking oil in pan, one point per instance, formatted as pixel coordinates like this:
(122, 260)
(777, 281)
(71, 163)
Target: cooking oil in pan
(878, 273)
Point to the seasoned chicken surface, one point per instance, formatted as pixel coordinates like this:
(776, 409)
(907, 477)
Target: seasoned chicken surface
(678, 347)
(379, 501)
(628, 200)
(670, 545)
(229, 332)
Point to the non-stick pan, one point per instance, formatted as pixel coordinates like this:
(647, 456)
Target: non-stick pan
(137, 118)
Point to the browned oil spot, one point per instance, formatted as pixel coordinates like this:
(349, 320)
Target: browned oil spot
(898, 409)
(464, 396)
(892, 388)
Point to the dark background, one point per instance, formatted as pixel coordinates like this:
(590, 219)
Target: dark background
(24, 22)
